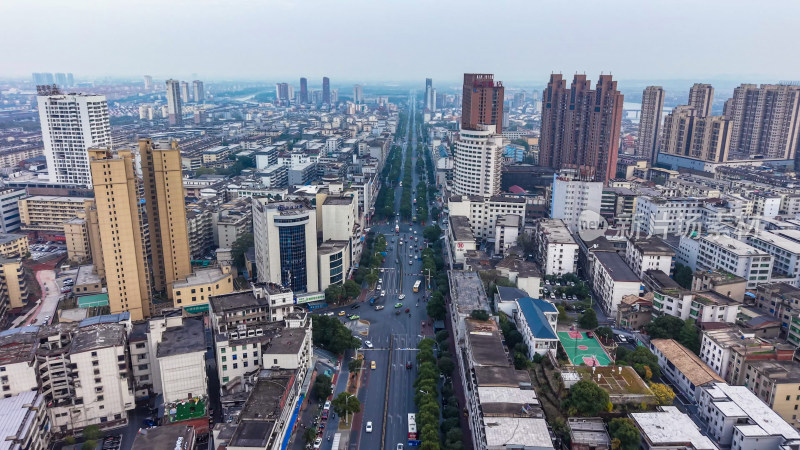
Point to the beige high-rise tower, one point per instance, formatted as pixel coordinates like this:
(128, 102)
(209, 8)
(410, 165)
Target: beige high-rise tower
(119, 223)
(166, 212)
(650, 122)
(700, 97)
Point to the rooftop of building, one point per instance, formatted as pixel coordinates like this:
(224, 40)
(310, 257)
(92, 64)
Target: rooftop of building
(501, 376)
(508, 394)
(87, 275)
(758, 411)
(720, 277)
(262, 408)
(686, 362)
(168, 437)
(5, 238)
(18, 344)
(779, 241)
(589, 431)
(17, 415)
(782, 289)
(287, 341)
(138, 332)
(714, 298)
(653, 245)
(201, 276)
(466, 290)
(671, 427)
(507, 294)
(778, 371)
(504, 432)
(462, 231)
(534, 309)
(732, 245)
(662, 281)
(556, 231)
(338, 200)
(486, 343)
(331, 246)
(99, 336)
(236, 300)
(189, 337)
(732, 336)
(522, 267)
(508, 220)
(616, 267)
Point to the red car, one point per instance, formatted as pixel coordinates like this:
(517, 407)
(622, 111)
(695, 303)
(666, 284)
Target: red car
(325, 415)
(589, 334)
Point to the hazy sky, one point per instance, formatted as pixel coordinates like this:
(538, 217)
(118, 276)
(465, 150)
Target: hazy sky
(368, 40)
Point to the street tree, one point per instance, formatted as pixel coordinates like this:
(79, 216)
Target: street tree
(345, 404)
(664, 394)
(322, 387)
(588, 320)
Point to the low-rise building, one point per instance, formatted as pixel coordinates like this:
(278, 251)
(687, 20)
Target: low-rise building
(24, 423)
(782, 300)
(48, 213)
(682, 367)
(785, 254)
(634, 311)
(726, 350)
(776, 383)
(669, 428)
(87, 281)
(588, 433)
(18, 360)
(460, 238)
(710, 306)
(334, 263)
(612, 280)
(181, 356)
(720, 281)
(483, 212)
(557, 250)
(525, 274)
(13, 286)
(536, 320)
(76, 235)
(736, 257)
(192, 294)
(14, 245)
(650, 253)
(737, 419)
(506, 232)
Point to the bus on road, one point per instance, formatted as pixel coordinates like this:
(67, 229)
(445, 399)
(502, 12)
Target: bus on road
(412, 427)
(417, 284)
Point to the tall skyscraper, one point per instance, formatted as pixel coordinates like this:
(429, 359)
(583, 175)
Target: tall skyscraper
(199, 91)
(40, 79)
(148, 83)
(303, 91)
(687, 134)
(581, 126)
(765, 121)
(282, 93)
(650, 122)
(701, 96)
(358, 94)
(174, 103)
(71, 124)
(119, 228)
(166, 212)
(61, 79)
(70, 80)
(285, 235)
(185, 92)
(482, 102)
(477, 161)
(428, 93)
(326, 90)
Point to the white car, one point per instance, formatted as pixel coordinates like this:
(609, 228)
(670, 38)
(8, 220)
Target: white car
(318, 443)
(415, 232)
(383, 293)
(369, 427)
(327, 406)
(380, 280)
(402, 296)
(410, 262)
(368, 344)
(410, 229)
(399, 446)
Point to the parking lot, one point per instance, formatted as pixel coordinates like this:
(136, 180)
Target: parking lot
(46, 250)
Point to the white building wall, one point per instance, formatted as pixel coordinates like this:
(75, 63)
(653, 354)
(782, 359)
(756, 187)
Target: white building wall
(571, 197)
(17, 377)
(183, 376)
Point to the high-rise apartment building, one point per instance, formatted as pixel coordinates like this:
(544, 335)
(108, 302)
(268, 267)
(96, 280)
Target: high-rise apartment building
(700, 98)
(70, 125)
(765, 121)
(303, 91)
(199, 91)
(581, 126)
(185, 92)
(148, 83)
(70, 79)
(477, 161)
(358, 94)
(166, 212)
(686, 134)
(285, 235)
(174, 103)
(428, 93)
(326, 90)
(282, 93)
(650, 122)
(42, 78)
(482, 102)
(61, 79)
(119, 227)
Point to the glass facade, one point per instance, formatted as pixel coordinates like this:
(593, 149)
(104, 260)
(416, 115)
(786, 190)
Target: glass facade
(336, 268)
(292, 244)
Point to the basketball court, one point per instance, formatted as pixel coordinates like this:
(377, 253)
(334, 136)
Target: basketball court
(582, 349)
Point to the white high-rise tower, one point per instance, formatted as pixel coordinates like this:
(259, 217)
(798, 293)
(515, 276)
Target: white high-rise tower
(70, 125)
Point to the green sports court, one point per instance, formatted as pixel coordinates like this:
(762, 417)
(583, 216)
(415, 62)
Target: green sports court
(582, 349)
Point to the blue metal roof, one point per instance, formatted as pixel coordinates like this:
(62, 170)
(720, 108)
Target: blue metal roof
(108, 318)
(533, 310)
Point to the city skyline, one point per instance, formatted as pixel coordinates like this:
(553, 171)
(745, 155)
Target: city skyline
(653, 46)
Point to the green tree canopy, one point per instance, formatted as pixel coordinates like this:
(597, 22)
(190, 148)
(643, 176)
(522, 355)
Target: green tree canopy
(322, 387)
(623, 429)
(330, 334)
(588, 320)
(587, 398)
(345, 404)
(240, 247)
